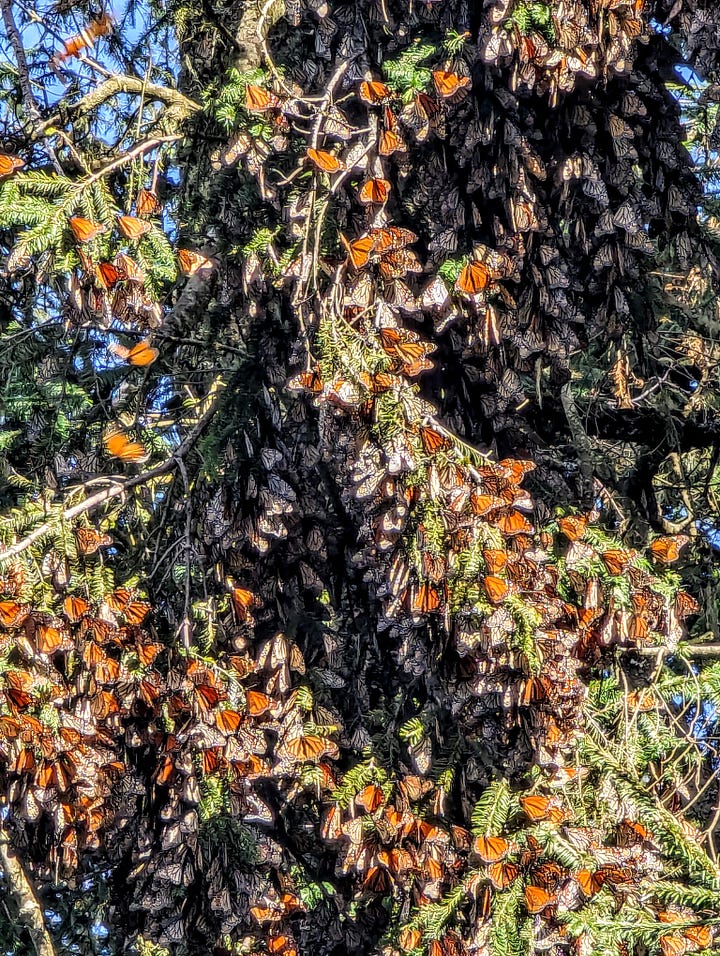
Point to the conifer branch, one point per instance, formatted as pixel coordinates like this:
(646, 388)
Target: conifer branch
(117, 489)
(29, 911)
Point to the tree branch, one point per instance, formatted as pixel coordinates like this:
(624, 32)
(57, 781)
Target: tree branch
(112, 87)
(117, 489)
(31, 107)
(30, 912)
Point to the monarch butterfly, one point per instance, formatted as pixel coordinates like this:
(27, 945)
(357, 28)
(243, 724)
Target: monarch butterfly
(147, 203)
(108, 275)
(141, 354)
(11, 613)
(310, 747)
(396, 264)
(616, 561)
(243, 600)
(258, 100)
(667, 550)
(370, 798)
(448, 84)
(374, 92)
(390, 142)
(325, 161)
(539, 807)
(537, 899)
(147, 653)
(133, 228)
(699, 936)
(497, 589)
(86, 38)
(685, 604)
(227, 721)
(473, 278)
(282, 945)
(85, 230)
(512, 522)
(9, 164)
(75, 608)
(391, 238)
(409, 939)
(374, 192)
(257, 702)
(359, 250)
(573, 526)
(491, 849)
(433, 440)
(118, 445)
(48, 639)
(502, 874)
(193, 263)
(89, 541)
(128, 268)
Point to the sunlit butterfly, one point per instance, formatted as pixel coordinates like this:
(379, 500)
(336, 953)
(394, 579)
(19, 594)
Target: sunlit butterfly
(89, 540)
(327, 162)
(11, 613)
(374, 192)
(193, 263)
(473, 278)
(491, 849)
(667, 550)
(573, 526)
(448, 84)
(85, 230)
(147, 203)
(374, 92)
(258, 100)
(9, 164)
(133, 228)
(118, 445)
(502, 874)
(86, 38)
(141, 354)
(108, 275)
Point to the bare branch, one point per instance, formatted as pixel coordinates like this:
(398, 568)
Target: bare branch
(112, 87)
(30, 912)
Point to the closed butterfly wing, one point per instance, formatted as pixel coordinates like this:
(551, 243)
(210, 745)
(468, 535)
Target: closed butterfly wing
(83, 229)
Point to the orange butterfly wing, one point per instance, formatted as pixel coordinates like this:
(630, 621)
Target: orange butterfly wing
(374, 192)
(448, 83)
(118, 445)
(473, 278)
(193, 263)
(85, 229)
(374, 92)
(133, 228)
(325, 161)
(9, 164)
(491, 849)
(147, 203)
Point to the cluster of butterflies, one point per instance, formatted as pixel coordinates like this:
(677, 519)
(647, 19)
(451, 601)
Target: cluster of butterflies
(446, 536)
(154, 724)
